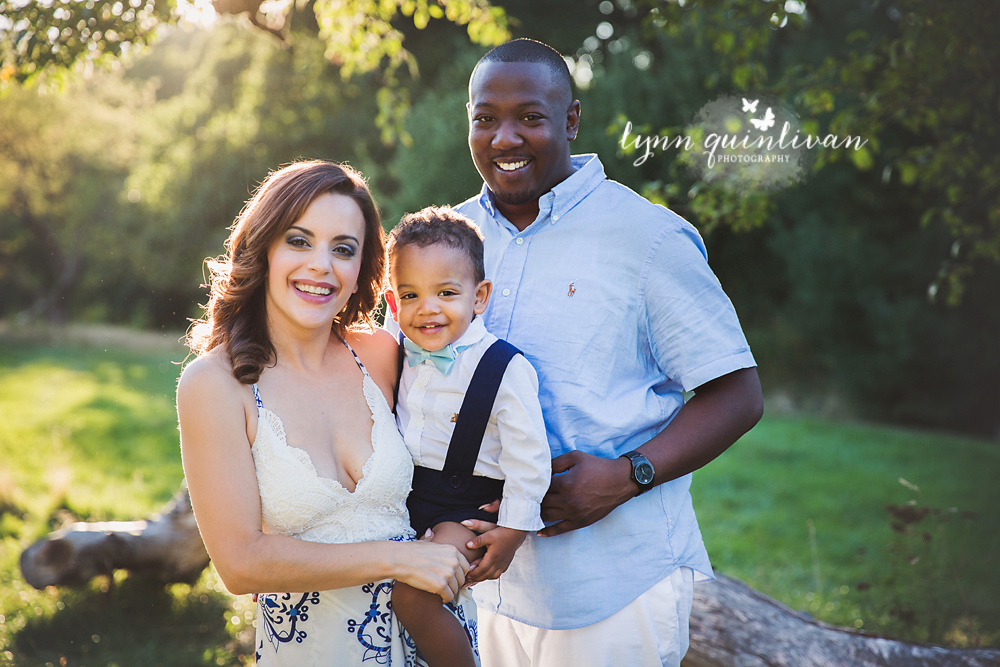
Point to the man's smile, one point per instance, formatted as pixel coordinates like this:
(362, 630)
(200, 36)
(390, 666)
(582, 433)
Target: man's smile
(509, 164)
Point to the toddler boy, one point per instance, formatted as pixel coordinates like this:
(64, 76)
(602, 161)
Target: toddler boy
(468, 411)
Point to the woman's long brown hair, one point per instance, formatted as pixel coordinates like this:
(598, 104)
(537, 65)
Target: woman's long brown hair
(236, 315)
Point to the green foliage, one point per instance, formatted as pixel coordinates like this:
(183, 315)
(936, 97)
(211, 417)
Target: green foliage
(123, 204)
(38, 37)
(836, 276)
(62, 160)
(908, 77)
(834, 299)
(360, 36)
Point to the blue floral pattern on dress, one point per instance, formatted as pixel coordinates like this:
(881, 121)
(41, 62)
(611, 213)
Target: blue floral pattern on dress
(281, 619)
(471, 631)
(374, 632)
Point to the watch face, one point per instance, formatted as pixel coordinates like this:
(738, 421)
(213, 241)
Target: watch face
(644, 473)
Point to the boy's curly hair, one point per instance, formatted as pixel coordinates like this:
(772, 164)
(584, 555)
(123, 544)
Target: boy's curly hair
(439, 224)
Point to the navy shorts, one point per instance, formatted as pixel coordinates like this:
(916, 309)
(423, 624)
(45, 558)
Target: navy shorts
(434, 499)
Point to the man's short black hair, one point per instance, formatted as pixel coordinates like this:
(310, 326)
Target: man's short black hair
(530, 51)
(439, 224)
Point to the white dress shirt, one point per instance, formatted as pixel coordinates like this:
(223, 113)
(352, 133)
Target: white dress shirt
(515, 448)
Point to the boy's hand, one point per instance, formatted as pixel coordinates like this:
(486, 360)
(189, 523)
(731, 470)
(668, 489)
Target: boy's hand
(500, 543)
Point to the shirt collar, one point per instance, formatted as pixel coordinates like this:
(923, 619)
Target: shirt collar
(588, 174)
(472, 335)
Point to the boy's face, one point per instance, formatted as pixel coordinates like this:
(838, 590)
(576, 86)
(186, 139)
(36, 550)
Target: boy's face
(434, 294)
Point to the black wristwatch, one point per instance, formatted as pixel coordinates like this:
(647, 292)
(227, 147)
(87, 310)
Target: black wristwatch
(642, 470)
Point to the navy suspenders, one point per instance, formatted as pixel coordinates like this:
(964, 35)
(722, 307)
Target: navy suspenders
(474, 415)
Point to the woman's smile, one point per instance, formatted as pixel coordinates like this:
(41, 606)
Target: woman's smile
(314, 292)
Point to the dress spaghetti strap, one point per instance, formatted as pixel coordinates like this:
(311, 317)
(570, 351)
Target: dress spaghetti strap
(256, 396)
(360, 365)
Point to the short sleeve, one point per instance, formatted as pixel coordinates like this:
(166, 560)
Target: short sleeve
(694, 333)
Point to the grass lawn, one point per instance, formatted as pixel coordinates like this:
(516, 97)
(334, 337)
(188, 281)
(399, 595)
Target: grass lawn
(92, 433)
(796, 509)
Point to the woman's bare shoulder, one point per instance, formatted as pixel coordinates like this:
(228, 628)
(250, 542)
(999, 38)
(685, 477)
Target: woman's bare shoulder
(211, 374)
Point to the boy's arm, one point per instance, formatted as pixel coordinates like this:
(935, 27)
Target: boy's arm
(525, 458)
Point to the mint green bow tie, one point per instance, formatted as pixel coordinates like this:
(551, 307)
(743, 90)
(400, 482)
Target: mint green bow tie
(444, 358)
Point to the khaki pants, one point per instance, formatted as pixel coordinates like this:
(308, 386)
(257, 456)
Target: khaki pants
(652, 630)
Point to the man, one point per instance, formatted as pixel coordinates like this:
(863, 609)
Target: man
(611, 299)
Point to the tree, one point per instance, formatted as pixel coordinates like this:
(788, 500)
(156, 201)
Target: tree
(39, 38)
(838, 279)
(917, 78)
(64, 158)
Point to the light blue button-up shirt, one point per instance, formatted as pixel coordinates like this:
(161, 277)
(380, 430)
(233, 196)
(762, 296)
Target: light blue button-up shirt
(611, 299)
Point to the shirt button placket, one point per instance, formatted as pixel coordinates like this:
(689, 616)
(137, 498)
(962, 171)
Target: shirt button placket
(509, 274)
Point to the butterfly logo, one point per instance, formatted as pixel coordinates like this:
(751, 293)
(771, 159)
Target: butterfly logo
(765, 123)
(749, 106)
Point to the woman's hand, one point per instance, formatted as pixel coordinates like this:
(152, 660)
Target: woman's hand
(436, 568)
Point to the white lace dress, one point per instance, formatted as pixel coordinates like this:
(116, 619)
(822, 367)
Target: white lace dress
(348, 626)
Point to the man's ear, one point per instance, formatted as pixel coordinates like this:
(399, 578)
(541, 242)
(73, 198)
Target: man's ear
(390, 299)
(573, 120)
(483, 291)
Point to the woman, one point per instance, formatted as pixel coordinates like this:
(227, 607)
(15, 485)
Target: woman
(298, 476)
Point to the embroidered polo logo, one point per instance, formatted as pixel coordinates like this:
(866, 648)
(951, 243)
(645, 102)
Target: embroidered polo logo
(572, 289)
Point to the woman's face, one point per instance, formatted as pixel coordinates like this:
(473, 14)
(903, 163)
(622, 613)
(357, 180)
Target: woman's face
(313, 267)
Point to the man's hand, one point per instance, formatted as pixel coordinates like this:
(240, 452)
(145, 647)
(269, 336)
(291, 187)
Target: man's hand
(589, 488)
(500, 543)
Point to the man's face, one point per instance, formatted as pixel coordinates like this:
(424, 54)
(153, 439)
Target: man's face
(520, 126)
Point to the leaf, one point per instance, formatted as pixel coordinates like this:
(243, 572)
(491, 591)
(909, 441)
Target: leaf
(862, 159)
(907, 172)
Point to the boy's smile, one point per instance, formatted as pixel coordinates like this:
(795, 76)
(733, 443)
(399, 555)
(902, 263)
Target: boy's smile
(435, 294)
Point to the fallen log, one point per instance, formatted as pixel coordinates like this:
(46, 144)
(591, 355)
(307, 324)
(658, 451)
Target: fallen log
(166, 548)
(732, 625)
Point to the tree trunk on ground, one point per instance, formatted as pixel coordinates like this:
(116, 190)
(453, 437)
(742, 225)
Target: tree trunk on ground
(167, 548)
(732, 625)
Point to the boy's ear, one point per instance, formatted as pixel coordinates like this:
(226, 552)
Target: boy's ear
(390, 298)
(483, 291)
